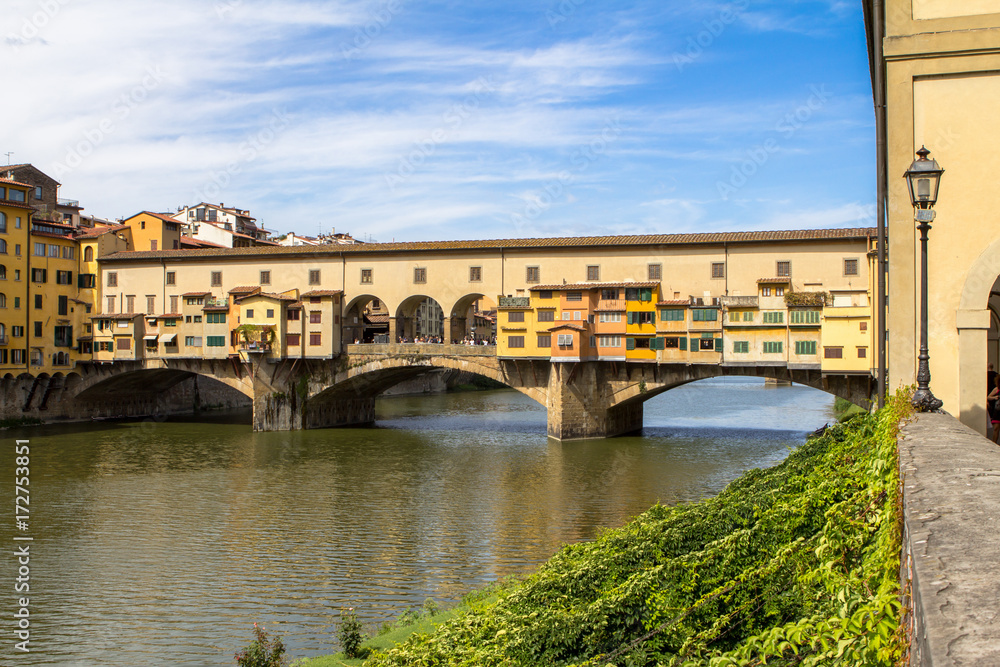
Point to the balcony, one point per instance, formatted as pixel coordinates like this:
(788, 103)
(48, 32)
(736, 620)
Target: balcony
(515, 302)
(740, 301)
(806, 298)
(69, 202)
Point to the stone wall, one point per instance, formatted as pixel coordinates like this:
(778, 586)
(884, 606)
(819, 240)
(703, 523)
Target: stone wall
(951, 545)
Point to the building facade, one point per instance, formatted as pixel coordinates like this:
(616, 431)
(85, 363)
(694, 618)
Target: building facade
(942, 89)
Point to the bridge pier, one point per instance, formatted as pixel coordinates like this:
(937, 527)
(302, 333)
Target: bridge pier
(578, 404)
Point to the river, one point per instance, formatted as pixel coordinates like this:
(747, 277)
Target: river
(162, 543)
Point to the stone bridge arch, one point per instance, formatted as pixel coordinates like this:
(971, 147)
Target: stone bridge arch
(855, 388)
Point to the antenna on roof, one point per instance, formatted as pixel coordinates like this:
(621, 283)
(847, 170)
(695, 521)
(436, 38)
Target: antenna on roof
(8, 154)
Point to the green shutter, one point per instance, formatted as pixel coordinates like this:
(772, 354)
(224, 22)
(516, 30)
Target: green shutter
(630, 342)
(684, 343)
(656, 344)
(718, 345)
(694, 345)
(647, 294)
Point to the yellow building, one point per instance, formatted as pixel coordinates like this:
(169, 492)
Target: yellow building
(942, 90)
(55, 310)
(15, 216)
(520, 333)
(641, 343)
(154, 231)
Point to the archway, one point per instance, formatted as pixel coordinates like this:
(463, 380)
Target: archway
(420, 318)
(366, 320)
(973, 320)
(473, 319)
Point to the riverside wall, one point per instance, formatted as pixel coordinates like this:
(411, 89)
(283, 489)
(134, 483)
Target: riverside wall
(951, 542)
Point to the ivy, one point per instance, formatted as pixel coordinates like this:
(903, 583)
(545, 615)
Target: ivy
(797, 564)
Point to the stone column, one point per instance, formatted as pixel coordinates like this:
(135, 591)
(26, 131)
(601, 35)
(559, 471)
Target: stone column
(276, 410)
(392, 330)
(973, 335)
(577, 404)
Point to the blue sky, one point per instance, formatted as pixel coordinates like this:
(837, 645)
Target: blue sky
(425, 120)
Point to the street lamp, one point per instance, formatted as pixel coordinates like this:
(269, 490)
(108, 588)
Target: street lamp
(924, 180)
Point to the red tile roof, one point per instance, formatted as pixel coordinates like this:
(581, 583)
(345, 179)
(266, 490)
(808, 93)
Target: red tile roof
(323, 292)
(196, 294)
(674, 302)
(774, 281)
(244, 289)
(574, 327)
(11, 181)
(101, 232)
(116, 316)
(268, 295)
(198, 243)
(730, 238)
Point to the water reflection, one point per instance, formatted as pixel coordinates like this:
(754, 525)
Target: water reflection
(162, 543)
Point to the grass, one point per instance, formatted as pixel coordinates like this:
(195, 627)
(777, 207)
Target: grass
(845, 410)
(407, 626)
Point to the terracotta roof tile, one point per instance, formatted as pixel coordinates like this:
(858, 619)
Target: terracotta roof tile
(774, 281)
(574, 327)
(244, 289)
(16, 204)
(856, 233)
(196, 294)
(323, 292)
(268, 295)
(674, 302)
(10, 181)
(101, 232)
(225, 308)
(116, 316)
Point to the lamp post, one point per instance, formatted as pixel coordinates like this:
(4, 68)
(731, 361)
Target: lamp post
(924, 180)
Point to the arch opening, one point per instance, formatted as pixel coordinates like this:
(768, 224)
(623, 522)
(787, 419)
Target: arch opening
(420, 319)
(366, 320)
(473, 320)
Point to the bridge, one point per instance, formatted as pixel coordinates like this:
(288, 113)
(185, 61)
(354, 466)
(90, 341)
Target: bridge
(592, 399)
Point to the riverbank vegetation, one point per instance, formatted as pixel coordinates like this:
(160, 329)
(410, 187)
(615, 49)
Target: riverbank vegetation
(797, 564)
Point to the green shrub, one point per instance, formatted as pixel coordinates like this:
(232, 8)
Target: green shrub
(350, 634)
(261, 652)
(797, 564)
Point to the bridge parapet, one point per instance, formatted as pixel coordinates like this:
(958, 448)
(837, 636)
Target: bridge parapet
(951, 498)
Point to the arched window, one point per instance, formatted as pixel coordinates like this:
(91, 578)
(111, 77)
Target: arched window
(3, 272)
(3, 247)
(88, 254)
(3, 300)
(3, 221)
